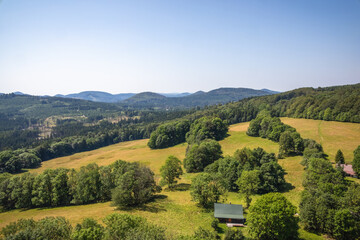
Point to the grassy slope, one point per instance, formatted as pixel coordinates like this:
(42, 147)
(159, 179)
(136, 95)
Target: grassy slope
(175, 210)
(332, 135)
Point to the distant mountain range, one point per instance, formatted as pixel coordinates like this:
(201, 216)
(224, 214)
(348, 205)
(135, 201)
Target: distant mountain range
(169, 100)
(200, 98)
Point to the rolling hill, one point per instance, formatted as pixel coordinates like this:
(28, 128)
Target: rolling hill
(175, 208)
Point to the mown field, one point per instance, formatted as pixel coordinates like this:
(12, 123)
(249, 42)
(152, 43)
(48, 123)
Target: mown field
(174, 210)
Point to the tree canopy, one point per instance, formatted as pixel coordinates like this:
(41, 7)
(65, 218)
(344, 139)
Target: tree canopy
(272, 217)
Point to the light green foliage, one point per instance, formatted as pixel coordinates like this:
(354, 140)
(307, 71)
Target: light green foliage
(339, 157)
(203, 234)
(124, 226)
(356, 161)
(89, 229)
(171, 171)
(272, 217)
(199, 156)
(248, 183)
(207, 190)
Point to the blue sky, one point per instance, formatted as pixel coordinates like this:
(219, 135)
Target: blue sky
(50, 47)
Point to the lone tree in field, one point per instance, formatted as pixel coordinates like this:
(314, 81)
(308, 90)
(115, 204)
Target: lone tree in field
(339, 158)
(248, 183)
(206, 190)
(356, 161)
(272, 217)
(171, 171)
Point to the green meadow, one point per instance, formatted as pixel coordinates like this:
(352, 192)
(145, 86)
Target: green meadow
(174, 210)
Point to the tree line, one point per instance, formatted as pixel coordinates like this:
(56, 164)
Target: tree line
(329, 204)
(127, 184)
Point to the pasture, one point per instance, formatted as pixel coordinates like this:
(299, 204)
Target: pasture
(174, 210)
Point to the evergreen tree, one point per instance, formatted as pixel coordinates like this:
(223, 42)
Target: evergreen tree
(339, 158)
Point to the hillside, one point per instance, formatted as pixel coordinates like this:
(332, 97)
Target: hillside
(176, 209)
(200, 98)
(97, 96)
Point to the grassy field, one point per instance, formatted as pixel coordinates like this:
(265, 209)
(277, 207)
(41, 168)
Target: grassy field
(332, 135)
(174, 210)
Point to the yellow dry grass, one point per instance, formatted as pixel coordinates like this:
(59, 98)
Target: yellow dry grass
(332, 135)
(175, 209)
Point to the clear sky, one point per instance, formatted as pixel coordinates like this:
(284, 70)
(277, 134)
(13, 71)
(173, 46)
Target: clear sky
(67, 46)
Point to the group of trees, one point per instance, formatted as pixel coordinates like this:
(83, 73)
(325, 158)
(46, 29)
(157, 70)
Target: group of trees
(128, 184)
(249, 172)
(329, 204)
(116, 226)
(272, 128)
(169, 134)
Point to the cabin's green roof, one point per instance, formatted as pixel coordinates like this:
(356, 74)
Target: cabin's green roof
(233, 211)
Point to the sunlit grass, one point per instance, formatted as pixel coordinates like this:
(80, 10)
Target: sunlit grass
(174, 210)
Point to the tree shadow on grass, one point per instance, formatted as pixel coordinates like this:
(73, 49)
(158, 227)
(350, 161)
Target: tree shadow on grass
(154, 205)
(182, 187)
(287, 187)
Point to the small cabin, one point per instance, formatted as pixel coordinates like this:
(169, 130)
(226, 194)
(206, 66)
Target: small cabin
(229, 213)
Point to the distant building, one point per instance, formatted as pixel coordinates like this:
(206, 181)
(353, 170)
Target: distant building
(229, 213)
(348, 170)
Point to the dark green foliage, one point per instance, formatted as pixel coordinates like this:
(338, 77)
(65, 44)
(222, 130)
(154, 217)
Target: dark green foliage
(356, 161)
(339, 157)
(87, 185)
(215, 224)
(272, 128)
(89, 229)
(290, 144)
(206, 190)
(169, 134)
(171, 171)
(198, 156)
(206, 128)
(272, 217)
(329, 204)
(135, 187)
(229, 169)
(346, 225)
(91, 183)
(233, 234)
(57, 228)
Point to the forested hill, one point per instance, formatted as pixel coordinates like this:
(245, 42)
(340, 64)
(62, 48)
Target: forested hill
(198, 99)
(339, 103)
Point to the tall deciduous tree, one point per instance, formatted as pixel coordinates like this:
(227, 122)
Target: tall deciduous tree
(248, 183)
(272, 217)
(171, 171)
(206, 190)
